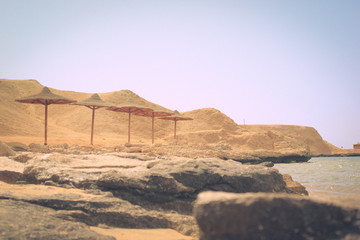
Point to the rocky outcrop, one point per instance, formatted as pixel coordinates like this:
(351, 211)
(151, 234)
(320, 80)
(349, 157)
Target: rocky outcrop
(278, 158)
(128, 190)
(274, 216)
(21, 220)
(94, 208)
(171, 184)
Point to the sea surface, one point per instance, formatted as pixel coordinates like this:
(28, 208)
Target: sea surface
(326, 175)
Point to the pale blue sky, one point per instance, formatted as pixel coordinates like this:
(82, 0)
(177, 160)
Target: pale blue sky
(268, 62)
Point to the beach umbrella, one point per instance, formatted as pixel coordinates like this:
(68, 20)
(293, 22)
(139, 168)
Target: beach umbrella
(45, 97)
(176, 117)
(157, 112)
(94, 102)
(129, 108)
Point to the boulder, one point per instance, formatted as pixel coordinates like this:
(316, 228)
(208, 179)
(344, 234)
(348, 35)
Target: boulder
(274, 216)
(10, 171)
(18, 147)
(5, 150)
(294, 186)
(10, 176)
(20, 220)
(134, 150)
(35, 147)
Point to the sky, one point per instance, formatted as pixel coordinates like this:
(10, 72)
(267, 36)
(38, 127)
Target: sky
(259, 62)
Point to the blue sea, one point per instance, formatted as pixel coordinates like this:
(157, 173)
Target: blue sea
(326, 175)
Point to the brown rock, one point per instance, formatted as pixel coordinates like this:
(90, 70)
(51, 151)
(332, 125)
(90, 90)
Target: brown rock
(20, 220)
(35, 147)
(133, 150)
(294, 186)
(273, 216)
(5, 150)
(18, 147)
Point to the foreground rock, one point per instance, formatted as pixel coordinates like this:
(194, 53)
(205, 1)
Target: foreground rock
(5, 150)
(128, 190)
(20, 220)
(274, 216)
(96, 208)
(170, 184)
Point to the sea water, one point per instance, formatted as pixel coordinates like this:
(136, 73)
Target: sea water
(326, 175)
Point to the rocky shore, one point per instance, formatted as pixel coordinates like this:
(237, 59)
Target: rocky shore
(77, 187)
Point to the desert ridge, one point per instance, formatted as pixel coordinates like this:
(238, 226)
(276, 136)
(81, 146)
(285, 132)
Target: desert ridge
(72, 124)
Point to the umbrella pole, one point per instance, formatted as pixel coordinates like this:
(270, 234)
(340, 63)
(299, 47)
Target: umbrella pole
(92, 125)
(129, 128)
(46, 112)
(175, 130)
(153, 117)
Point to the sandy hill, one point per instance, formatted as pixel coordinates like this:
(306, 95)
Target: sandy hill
(71, 124)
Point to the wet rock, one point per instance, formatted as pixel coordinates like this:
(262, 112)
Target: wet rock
(5, 150)
(20, 220)
(292, 158)
(273, 216)
(287, 158)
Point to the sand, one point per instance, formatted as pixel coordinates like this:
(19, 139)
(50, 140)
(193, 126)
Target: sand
(141, 234)
(72, 124)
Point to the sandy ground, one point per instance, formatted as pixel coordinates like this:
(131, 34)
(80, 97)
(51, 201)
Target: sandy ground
(141, 234)
(71, 124)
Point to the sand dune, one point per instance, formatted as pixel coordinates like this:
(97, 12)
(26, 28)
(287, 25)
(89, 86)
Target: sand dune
(71, 124)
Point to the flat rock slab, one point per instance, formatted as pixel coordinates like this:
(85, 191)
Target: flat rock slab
(21, 220)
(230, 216)
(95, 207)
(154, 180)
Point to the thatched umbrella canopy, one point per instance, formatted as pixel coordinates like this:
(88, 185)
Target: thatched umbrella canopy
(45, 97)
(129, 108)
(157, 112)
(176, 117)
(94, 102)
